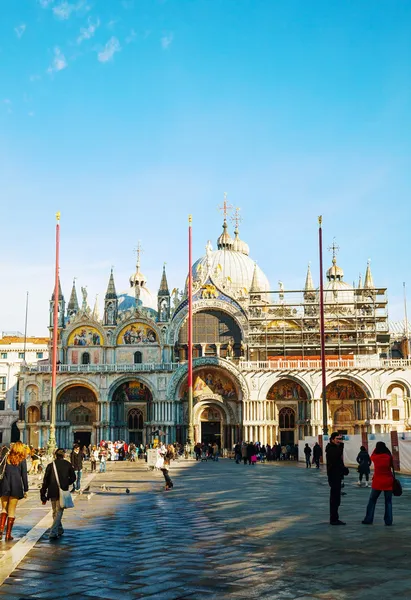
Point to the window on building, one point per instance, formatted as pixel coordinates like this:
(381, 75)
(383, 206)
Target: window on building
(2, 405)
(21, 354)
(135, 419)
(138, 358)
(39, 354)
(4, 355)
(2, 384)
(85, 358)
(395, 414)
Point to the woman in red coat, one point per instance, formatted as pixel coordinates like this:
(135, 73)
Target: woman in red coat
(381, 482)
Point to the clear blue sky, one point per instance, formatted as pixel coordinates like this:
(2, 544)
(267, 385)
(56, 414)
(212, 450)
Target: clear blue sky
(126, 116)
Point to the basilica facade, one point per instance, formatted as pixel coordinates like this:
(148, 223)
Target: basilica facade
(257, 374)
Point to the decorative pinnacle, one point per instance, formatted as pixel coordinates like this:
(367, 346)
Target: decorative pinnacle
(58, 215)
(225, 207)
(190, 219)
(236, 218)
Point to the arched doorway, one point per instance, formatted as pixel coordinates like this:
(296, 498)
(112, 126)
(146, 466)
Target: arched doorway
(349, 405)
(211, 420)
(76, 405)
(288, 395)
(286, 422)
(127, 423)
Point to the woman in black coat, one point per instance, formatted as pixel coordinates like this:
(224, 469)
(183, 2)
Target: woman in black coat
(364, 463)
(13, 487)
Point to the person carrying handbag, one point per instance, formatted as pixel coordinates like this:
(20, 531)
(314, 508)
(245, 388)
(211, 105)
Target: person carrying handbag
(383, 481)
(13, 485)
(58, 477)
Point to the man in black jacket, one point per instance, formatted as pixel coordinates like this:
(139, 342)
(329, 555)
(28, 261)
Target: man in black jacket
(51, 491)
(317, 454)
(335, 472)
(77, 461)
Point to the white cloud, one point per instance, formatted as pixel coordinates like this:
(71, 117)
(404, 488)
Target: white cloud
(59, 62)
(45, 3)
(131, 37)
(166, 41)
(20, 30)
(112, 46)
(64, 10)
(31, 114)
(87, 33)
(34, 78)
(8, 103)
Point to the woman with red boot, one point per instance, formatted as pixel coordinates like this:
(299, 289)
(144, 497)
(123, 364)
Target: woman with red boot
(13, 487)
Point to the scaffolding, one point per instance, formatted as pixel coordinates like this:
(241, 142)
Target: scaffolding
(286, 324)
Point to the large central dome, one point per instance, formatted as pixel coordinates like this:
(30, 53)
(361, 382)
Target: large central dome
(230, 267)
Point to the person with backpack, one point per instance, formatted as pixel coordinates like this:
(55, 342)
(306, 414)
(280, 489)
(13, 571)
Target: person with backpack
(50, 490)
(364, 463)
(14, 485)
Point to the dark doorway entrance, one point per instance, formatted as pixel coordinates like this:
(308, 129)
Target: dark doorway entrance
(15, 433)
(286, 437)
(83, 438)
(135, 437)
(211, 432)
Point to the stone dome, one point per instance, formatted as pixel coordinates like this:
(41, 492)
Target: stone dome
(229, 266)
(127, 300)
(337, 292)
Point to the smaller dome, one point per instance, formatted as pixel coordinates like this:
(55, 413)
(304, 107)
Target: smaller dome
(240, 245)
(225, 241)
(335, 273)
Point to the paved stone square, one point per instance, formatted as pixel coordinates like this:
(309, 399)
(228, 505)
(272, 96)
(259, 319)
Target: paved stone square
(225, 531)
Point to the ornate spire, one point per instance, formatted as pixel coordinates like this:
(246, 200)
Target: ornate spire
(368, 283)
(255, 287)
(96, 315)
(111, 293)
(73, 305)
(360, 282)
(309, 284)
(60, 292)
(164, 291)
(238, 244)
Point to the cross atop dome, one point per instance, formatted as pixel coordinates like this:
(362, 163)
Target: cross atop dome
(139, 251)
(334, 248)
(236, 218)
(226, 207)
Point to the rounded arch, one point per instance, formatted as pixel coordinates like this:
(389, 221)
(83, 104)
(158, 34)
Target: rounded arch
(33, 414)
(357, 380)
(204, 404)
(287, 388)
(211, 381)
(181, 373)
(342, 415)
(88, 325)
(127, 378)
(231, 309)
(344, 388)
(31, 395)
(397, 381)
(135, 320)
(77, 382)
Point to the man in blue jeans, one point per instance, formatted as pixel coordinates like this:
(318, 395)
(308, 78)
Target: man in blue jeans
(77, 463)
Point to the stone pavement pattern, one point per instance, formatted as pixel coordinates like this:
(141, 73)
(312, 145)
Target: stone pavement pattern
(225, 531)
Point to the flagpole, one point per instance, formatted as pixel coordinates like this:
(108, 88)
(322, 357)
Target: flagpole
(52, 438)
(25, 326)
(190, 433)
(407, 347)
(322, 328)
